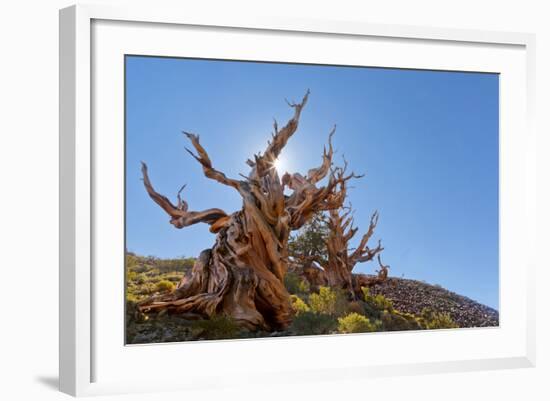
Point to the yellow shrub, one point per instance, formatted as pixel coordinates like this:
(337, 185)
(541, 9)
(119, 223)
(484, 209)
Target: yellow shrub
(298, 304)
(329, 302)
(165, 286)
(355, 323)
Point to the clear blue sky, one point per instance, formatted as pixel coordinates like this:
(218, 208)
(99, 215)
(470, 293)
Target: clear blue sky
(427, 141)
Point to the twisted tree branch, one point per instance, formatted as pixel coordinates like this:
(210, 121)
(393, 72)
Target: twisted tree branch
(180, 216)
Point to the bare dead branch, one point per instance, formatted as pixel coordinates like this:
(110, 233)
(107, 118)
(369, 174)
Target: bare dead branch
(281, 137)
(317, 174)
(363, 253)
(180, 217)
(182, 204)
(203, 158)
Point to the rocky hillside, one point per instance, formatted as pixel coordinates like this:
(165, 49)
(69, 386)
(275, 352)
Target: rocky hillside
(395, 305)
(411, 296)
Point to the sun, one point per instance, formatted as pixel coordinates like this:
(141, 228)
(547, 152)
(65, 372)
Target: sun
(279, 166)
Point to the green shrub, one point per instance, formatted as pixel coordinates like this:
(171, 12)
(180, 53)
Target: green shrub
(131, 261)
(298, 304)
(295, 284)
(165, 286)
(397, 321)
(141, 268)
(140, 278)
(131, 275)
(378, 301)
(304, 287)
(145, 289)
(131, 296)
(356, 323)
(216, 328)
(329, 302)
(430, 319)
(310, 323)
(370, 311)
(175, 278)
(357, 307)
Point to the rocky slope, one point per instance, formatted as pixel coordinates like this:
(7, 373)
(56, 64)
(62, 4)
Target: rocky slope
(412, 296)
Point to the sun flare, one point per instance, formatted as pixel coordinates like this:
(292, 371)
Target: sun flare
(279, 166)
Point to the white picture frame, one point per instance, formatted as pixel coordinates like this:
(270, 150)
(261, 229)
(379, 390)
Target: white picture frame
(82, 344)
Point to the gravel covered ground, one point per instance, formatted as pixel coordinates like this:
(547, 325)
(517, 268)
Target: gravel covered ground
(412, 296)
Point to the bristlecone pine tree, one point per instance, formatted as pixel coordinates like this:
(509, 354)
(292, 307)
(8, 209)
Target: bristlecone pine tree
(308, 251)
(342, 260)
(242, 275)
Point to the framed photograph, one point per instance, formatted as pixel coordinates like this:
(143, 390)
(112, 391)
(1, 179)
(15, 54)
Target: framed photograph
(276, 198)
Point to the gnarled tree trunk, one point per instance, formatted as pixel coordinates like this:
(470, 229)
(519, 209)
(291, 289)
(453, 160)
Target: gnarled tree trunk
(341, 260)
(241, 276)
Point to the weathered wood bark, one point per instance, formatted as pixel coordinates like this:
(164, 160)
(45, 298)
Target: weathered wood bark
(342, 260)
(363, 280)
(310, 270)
(241, 276)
